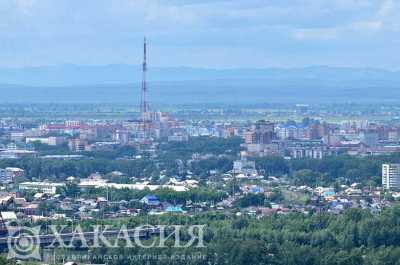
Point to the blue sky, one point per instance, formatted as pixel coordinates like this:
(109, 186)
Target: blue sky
(201, 33)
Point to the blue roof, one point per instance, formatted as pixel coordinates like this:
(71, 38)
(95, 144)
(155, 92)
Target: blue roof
(174, 209)
(151, 197)
(256, 189)
(329, 193)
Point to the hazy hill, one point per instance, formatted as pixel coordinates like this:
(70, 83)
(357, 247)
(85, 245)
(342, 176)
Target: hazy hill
(67, 75)
(121, 84)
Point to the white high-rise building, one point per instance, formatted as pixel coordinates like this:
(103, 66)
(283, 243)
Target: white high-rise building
(391, 176)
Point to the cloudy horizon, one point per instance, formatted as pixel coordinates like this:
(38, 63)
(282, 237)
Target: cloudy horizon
(208, 34)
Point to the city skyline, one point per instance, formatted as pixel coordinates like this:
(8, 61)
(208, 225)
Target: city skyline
(209, 34)
(199, 132)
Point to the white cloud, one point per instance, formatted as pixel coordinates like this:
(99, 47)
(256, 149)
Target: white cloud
(316, 34)
(387, 8)
(371, 25)
(376, 18)
(68, 27)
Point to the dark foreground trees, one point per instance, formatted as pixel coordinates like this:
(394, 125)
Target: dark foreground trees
(354, 238)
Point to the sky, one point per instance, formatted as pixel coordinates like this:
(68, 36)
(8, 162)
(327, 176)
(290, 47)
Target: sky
(201, 33)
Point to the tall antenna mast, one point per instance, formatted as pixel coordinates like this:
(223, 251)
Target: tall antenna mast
(144, 105)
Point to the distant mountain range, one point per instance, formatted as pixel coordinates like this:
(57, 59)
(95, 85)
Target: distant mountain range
(72, 75)
(185, 85)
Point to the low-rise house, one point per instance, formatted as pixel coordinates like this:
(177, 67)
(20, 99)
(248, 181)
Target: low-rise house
(31, 209)
(174, 209)
(7, 202)
(40, 196)
(41, 187)
(9, 174)
(353, 192)
(101, 202)
(20, 202)
(8, 216)
(150, 200)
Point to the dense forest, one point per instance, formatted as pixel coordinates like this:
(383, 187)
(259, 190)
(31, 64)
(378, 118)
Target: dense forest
(353, 238)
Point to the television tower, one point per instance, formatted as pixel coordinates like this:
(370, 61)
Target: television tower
(144, 105)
